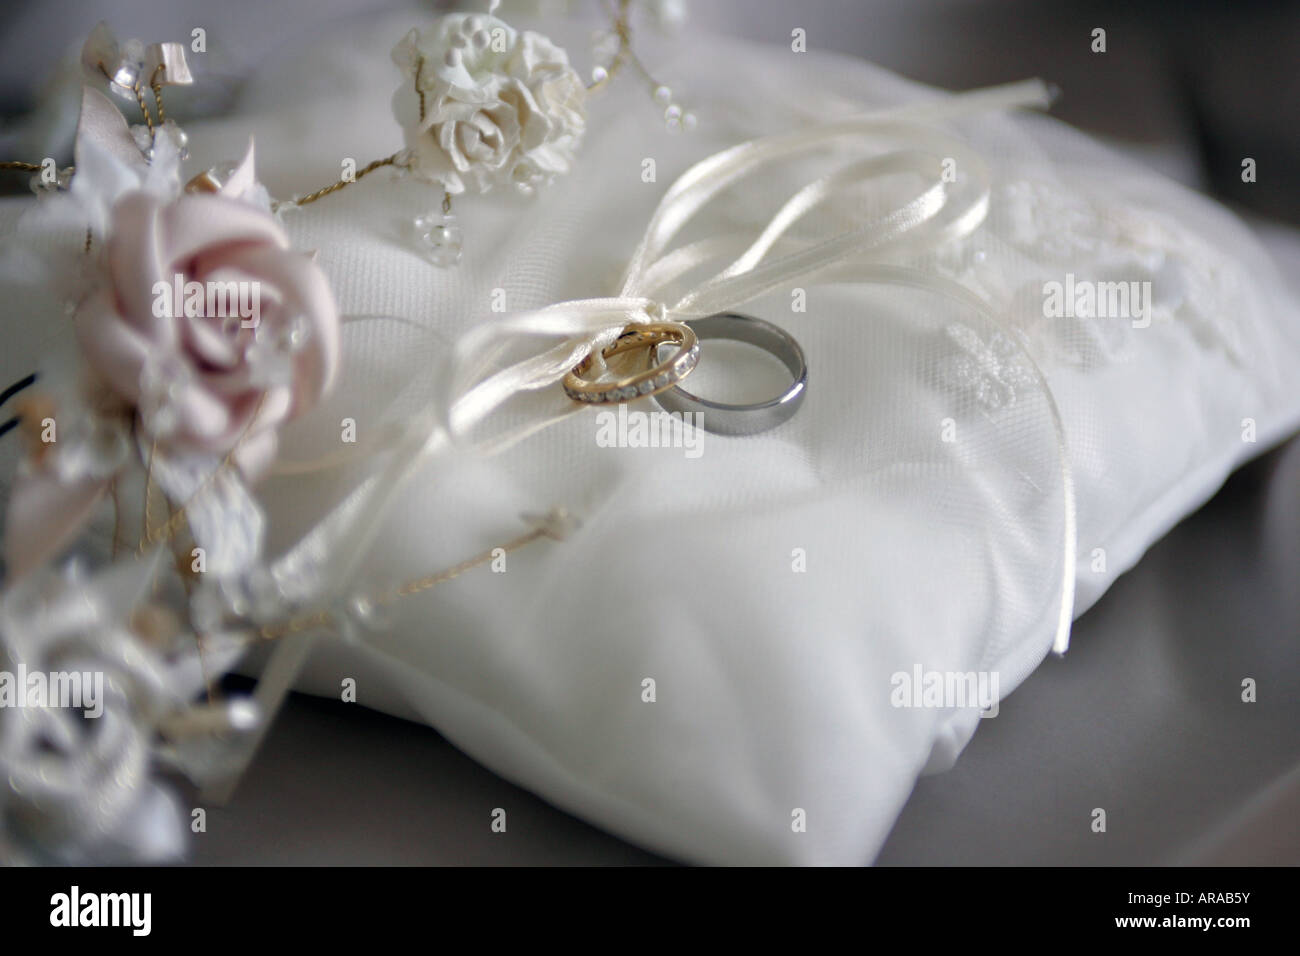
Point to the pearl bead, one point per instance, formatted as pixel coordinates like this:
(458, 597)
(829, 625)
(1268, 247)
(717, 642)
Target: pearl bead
(127, 74)
(663, 95)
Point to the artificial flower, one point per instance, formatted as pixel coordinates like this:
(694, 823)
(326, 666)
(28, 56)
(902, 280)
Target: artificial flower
(501, 107)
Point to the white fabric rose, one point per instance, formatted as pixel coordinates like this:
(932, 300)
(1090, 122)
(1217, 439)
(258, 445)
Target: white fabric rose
(500, 106)
(78, 771)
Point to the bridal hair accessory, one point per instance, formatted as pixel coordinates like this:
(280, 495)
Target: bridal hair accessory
(749, 419)
(168, 411)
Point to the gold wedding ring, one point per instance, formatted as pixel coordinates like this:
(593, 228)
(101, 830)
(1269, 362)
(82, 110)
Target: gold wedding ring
(657, 378)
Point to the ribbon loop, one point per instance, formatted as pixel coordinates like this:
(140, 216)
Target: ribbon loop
(939, 212)
(944, 209)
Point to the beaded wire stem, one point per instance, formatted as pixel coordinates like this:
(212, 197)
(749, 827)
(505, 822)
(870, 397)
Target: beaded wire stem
(553, 525)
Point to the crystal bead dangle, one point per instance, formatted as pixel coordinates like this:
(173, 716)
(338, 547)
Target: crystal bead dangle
(439, 236)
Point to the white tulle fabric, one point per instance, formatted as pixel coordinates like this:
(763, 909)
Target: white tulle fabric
(772, 686)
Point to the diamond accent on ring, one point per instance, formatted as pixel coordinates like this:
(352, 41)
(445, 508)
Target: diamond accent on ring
(662, 374)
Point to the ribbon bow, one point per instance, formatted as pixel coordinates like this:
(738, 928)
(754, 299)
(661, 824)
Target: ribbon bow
(943, 210)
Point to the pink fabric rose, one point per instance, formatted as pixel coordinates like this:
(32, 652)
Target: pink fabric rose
(197, 384)
(211, 378)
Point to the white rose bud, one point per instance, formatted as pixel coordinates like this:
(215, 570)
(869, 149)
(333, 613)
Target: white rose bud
(501, 107)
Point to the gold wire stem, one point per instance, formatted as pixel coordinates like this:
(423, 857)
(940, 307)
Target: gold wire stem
(316, 619)
(419, 90)
(622, 25)
(21, 167)
(456, 570)
(157, 92)
(117, 515)
(177, 517)
(623, 30)
(185, 572)
(182, 569)
(148, 497)
(209, 685)
(641, 68)
(300, 623)
(138, 90)
(335, 187)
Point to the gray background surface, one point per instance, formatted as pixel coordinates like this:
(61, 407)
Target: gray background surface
(1143, 718)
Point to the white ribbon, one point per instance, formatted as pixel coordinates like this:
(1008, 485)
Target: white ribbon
(480, 381)
(940, 212)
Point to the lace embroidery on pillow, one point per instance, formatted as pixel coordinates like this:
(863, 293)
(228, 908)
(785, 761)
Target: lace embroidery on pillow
(992, 369)
(1107, 237)
(1039, 232)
